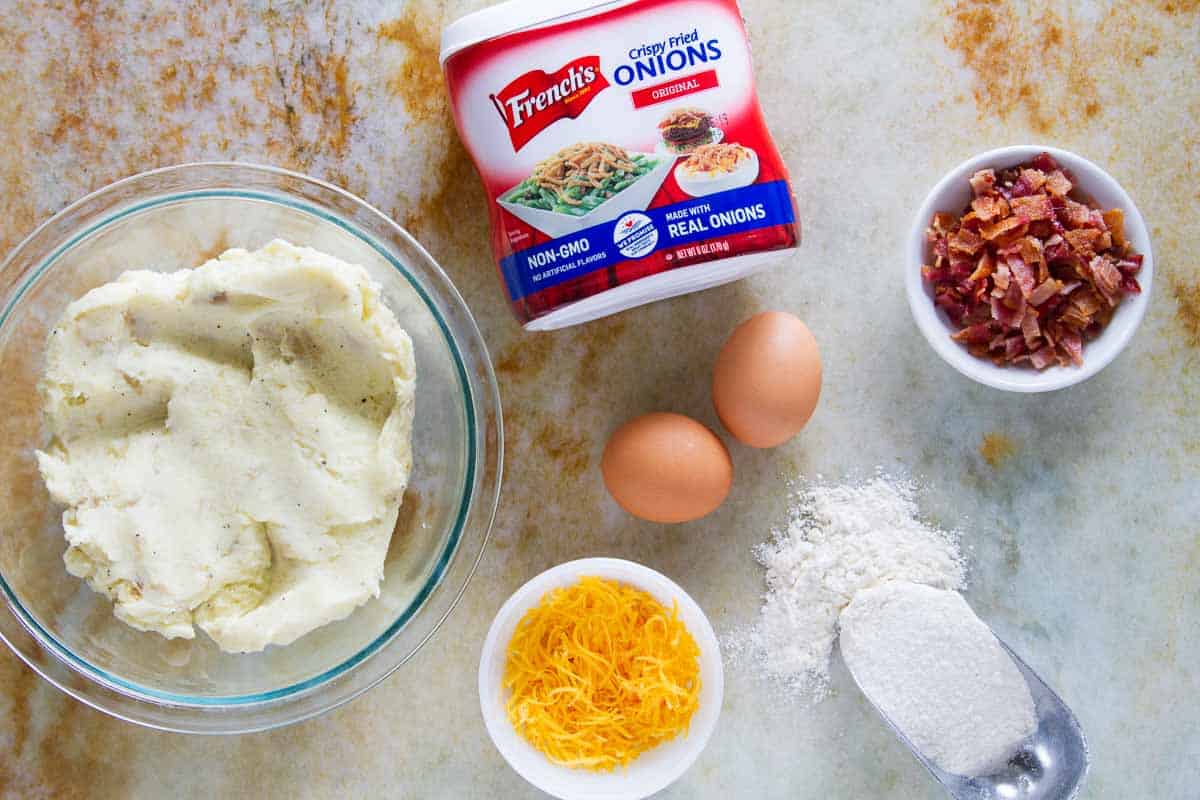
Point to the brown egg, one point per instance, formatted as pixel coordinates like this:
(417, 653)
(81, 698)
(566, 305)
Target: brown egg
(666, 468)
(767, 379)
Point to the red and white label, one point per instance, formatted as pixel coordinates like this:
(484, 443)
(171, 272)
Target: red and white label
(538, 99)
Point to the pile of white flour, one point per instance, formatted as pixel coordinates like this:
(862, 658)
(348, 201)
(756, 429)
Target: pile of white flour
(840, 540)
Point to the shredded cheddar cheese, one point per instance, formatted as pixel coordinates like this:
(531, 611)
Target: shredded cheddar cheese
(600, 673)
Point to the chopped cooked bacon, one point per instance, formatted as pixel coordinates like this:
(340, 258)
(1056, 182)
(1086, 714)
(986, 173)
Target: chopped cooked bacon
(1043, 229)
(941, 250)
(961, 265)
(1043, 357)
(988, 208)
(1026, 272)
(1072, 345)
(983, 268)
(1032, 208)
(1114, 218)
(966, 241)
(1044, 162)
(943, 222)
(1013, 347)
(1000, 278)
(1088, 300)
(1044, 292)
(1083, 241)
(1107, 278)
(1015, 296)
(1079, 310)
(1023, 273)
(1029, 248)
(983, 182)
(1057, 184)
(975, 334)
(980, 313)
(1030, 328)
(1035, 179)
(1006, 231)
(1007, 316)
(1056, 249)
(1077, 215)
(1020, 188)
(955, 309)
(935, 274)
(1049, 309)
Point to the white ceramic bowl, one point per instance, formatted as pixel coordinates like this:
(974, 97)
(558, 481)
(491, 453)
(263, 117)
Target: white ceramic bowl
(655, 769)
(952, 194)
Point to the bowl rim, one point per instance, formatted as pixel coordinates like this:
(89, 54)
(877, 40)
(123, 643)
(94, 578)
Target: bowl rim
(642, 577)
(936, 327)
(482, 409)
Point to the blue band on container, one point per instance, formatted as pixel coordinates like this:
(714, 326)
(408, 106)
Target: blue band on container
(760, 205)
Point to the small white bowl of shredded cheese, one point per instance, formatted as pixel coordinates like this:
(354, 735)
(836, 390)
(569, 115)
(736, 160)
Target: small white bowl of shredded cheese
(653, 770)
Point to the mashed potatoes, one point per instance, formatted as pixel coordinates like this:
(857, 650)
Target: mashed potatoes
(231, 442)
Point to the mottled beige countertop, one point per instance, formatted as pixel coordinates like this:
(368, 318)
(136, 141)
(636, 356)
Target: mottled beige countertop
(1080, 508)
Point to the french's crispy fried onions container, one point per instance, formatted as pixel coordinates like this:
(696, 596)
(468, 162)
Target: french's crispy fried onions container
(622, 148)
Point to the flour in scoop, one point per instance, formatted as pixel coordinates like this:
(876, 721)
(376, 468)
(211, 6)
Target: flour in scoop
(840, 540)
(937, 672)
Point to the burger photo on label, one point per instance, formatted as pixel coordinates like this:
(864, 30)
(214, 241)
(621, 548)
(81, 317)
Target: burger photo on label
(685, 129)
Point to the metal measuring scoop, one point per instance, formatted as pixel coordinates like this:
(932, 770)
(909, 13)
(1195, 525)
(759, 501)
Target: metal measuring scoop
(1049, 765)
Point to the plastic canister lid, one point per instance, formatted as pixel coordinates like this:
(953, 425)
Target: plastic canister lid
(513, 16)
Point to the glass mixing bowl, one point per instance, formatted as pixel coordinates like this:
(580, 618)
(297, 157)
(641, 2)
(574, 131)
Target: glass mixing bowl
(177, 218)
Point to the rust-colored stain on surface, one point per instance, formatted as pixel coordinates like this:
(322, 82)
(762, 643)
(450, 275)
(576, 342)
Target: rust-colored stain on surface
(126, 89)
(1187, 296)
(525, 357)
(571, 451)
(1040, 59)
(419, 80)
(552, 451)
(314, 80)
(996, 449)
(61, 761)
(454, 211)
(595, 366)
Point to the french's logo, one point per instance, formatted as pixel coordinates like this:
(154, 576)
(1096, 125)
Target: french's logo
(538, 99)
